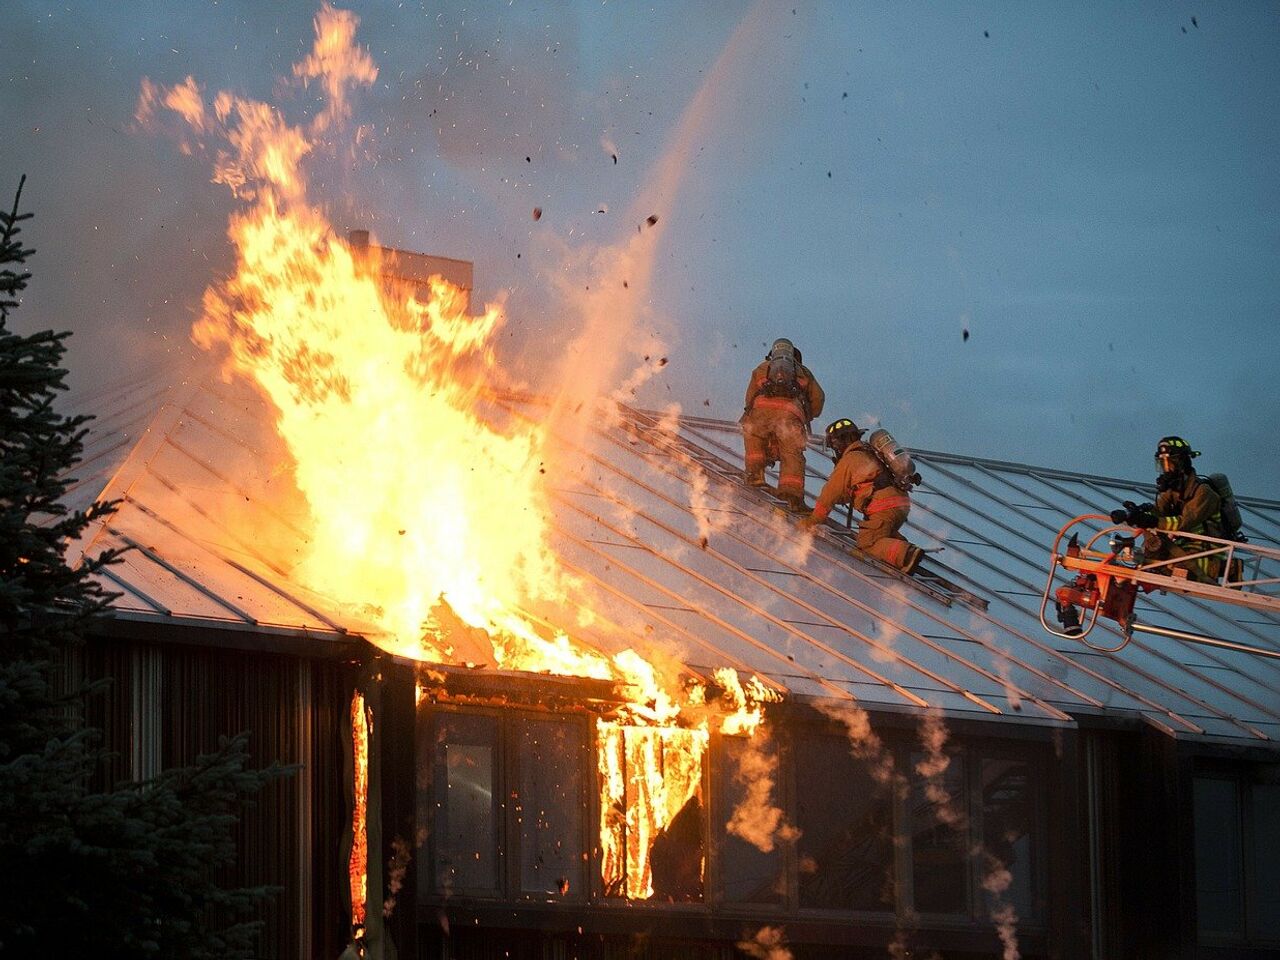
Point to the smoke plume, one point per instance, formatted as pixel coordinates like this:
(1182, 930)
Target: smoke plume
(768, 943)
(758, 820)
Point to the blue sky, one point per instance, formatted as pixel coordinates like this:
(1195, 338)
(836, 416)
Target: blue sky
(1092, 191)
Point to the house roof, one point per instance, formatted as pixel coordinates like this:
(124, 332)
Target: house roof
(673, 551)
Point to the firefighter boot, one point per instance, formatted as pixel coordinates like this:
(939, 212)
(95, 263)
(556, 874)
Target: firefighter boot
(755, 478)
(912, 559)
(796, 502)
(1069, 618)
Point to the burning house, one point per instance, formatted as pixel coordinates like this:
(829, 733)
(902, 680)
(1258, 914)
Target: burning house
(849, 762)
(560, 685)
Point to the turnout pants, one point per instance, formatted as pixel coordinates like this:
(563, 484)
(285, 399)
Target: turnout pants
(878, 535)
(784, 427)
(1157, 546)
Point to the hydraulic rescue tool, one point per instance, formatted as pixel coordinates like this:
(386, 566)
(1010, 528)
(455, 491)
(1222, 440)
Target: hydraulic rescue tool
(1106, 583)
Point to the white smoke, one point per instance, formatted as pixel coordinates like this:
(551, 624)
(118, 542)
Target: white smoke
(864, 743)
(768, 943)
(997, 880)
(933, 738)
(758, 820)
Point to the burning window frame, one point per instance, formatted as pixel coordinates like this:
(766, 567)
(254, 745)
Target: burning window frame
(584, 702)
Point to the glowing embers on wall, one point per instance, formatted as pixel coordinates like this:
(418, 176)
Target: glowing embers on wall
(357, 864)
(651, 823)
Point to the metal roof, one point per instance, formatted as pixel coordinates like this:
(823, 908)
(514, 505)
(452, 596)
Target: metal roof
(675, 554)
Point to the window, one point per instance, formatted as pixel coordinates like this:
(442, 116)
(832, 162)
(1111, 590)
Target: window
(747, 874)
(1219, 872)
(961, 841)
(510, 800)
(548, 809)
(1265, 849)
(939, 839)
(467, 811)
(1237, 833)
(846, 821)
(1008, 822)
(478, 763)
(653, 836)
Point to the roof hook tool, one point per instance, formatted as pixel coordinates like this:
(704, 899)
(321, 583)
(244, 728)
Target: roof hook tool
(1105, 583)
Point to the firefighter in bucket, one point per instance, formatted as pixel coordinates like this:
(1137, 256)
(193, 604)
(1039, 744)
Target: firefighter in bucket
(1184, 501)
(783, 396)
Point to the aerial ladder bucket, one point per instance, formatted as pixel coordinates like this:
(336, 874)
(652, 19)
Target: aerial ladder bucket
(1105, 583)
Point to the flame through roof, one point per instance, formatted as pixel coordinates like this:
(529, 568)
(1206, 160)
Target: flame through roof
(818, 624)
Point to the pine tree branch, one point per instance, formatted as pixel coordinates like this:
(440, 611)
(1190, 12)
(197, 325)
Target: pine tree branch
(11, 251)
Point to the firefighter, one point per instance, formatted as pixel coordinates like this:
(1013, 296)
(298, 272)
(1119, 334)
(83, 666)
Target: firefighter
(782, 399)
(860, 479)
(1184, 501)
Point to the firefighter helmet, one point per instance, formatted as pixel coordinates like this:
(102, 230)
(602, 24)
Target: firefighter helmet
(782, 347)
(1173, 455)
(840, 433)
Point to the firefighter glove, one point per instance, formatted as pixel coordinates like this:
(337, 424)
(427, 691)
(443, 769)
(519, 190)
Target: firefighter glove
(1141, 515)
(1120, 515)
(809, 522)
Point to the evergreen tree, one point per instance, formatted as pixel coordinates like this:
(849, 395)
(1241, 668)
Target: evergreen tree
(131, 872)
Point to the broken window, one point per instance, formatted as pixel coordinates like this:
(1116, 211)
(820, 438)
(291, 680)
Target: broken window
(652, 835)
(846, 822)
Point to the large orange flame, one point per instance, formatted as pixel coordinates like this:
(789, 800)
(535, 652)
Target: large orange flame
(428, 513)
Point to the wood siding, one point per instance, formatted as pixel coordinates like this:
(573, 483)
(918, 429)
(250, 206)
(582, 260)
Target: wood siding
(166, 704)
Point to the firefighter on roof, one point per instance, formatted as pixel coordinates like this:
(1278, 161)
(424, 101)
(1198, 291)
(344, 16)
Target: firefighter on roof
(1184, 501)
(861, 479)
(782, 398)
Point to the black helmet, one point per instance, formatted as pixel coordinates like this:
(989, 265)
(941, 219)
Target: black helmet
(1173, 455)
(782, 347)
(841, 433)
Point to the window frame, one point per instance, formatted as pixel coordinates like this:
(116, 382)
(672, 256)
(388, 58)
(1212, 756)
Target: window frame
(789, 738)
(1243, 780)
(506, 780)
(719, 773)
(1037, 778)
(900, 742)
(791, 776)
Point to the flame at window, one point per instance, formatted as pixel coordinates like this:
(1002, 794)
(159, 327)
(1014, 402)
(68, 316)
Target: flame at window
(651, 829)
